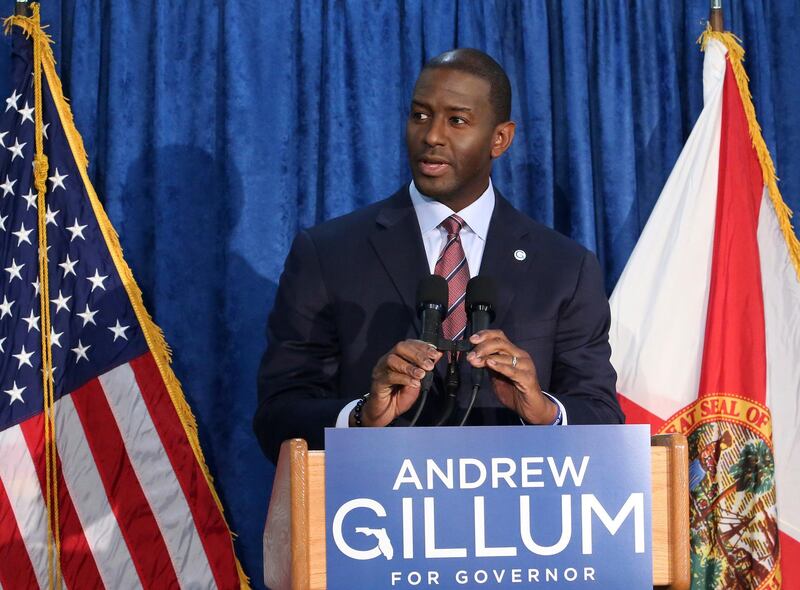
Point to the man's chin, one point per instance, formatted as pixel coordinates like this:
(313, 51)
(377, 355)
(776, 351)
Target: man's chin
(434, 187)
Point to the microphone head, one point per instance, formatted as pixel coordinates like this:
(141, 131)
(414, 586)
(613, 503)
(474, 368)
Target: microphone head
(480, 291)
(432, 291)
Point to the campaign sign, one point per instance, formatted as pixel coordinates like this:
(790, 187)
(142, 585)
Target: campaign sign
(488, 507)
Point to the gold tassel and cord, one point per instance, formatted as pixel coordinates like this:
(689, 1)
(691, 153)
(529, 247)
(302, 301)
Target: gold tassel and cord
(44, 62)
(782, 211)
(40, 168)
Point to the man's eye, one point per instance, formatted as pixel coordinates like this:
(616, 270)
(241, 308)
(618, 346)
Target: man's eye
(458, 120)
(419, 116)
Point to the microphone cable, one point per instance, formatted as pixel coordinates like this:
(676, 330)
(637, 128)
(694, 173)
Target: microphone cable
(452, 383)
(472, 399)
(423, 397)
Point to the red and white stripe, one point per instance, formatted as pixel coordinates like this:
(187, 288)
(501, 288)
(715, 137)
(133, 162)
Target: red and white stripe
(24, 519)
(135, 508)
(660, 303)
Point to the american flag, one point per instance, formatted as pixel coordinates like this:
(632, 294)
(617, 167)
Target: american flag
(136, 508)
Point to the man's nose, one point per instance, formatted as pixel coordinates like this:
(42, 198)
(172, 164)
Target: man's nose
(436, 131)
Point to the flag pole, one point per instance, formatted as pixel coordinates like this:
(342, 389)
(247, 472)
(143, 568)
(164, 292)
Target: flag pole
(715, 16)
(22, 8)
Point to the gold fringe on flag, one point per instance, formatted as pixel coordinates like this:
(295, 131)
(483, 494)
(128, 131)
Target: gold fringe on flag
(44, 61)
(784, 214)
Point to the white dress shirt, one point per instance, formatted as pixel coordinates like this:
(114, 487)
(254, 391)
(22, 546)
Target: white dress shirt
(430, 214)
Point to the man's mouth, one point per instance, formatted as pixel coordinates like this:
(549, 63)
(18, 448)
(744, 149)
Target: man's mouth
(433, 166)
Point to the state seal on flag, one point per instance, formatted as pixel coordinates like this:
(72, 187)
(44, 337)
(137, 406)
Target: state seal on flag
(733, 512)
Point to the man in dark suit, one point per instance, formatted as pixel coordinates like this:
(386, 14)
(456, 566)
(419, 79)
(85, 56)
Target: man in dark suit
(342, 337)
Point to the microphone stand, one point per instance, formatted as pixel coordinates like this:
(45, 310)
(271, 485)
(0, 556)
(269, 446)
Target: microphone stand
(453, 379)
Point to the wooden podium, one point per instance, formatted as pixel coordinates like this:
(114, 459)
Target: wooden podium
(294, 536)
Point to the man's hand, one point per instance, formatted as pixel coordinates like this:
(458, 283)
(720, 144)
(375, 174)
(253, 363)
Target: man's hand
(396, 381)
(515, 383)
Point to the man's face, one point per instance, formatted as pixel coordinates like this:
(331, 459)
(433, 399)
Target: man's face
(451, 136)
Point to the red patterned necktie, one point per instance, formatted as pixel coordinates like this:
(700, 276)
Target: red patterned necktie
(452, 265)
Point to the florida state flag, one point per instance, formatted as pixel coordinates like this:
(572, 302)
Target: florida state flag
(706, 337)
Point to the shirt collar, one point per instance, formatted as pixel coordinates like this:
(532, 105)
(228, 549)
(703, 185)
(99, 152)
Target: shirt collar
(431, 213)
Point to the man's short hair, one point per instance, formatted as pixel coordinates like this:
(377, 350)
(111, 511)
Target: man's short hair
(480, 64)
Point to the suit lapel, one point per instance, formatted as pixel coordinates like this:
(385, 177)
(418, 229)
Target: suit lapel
(398, 243)
(508, 235)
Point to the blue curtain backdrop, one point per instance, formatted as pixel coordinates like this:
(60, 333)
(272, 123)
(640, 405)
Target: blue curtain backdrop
(216, 129)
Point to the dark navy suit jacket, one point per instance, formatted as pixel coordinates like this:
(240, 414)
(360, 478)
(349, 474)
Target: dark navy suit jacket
(347, 296)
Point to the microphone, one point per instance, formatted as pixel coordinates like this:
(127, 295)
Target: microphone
(479, 302)
(432, 294)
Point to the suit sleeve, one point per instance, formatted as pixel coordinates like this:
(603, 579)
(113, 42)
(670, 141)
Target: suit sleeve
(298, 373)
(583, 379)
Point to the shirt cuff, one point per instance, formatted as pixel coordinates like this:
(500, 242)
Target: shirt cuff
(343, 420)
(561, 408)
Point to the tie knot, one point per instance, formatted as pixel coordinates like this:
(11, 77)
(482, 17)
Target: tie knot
(452, 225)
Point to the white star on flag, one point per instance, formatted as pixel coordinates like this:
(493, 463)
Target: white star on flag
(11, 101)
(80, 350)
(55, 337)
(61, 301)
(3, 222)
(35, 285)
(32, 321)
(88, 316)
(15, 393)
(97, 280)
(5, 308)
(50, 216)
(3, 339)
(31, 199)
(119, 331)
(69, 266)
(8, 187)
(13, 270)
(16, 149)
(76, 230)
(23, 357)
(57, 180)
(27, 114)
(22, 234)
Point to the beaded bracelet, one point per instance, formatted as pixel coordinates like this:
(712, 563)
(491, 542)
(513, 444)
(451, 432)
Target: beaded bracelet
(357, 410)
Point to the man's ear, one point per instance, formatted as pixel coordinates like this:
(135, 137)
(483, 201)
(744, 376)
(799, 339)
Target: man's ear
(503, 136)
